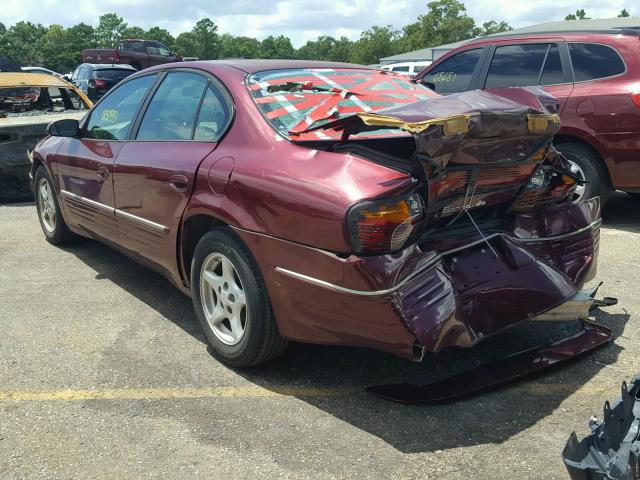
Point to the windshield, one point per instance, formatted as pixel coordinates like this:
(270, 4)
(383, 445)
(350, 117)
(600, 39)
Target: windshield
(296, 100)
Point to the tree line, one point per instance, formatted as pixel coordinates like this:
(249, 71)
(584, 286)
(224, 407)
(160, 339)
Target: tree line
(60, 48)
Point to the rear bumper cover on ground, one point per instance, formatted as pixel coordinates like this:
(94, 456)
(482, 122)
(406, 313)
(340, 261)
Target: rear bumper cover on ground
(438, 294)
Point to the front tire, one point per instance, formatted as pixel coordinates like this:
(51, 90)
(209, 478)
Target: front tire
(53, 225)
(231, 301)
(586, 164)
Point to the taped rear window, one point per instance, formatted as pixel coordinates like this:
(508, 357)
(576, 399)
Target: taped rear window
(295, 100)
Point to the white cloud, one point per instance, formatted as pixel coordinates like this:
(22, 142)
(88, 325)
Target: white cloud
(301, 20)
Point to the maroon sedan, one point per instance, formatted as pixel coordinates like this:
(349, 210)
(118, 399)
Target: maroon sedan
(593, 74)
(326, 203)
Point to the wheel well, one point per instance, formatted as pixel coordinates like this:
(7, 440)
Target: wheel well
(560, 139)
(193, 230)
(36, 163)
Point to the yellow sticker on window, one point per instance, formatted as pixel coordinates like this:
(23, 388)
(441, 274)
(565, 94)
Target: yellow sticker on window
(444, 77)
(109, 116)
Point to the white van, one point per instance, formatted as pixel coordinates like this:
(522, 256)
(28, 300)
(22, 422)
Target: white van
(406, 68)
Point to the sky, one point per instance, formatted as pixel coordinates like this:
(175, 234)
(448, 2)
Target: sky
(300, 20)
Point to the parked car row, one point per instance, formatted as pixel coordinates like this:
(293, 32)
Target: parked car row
(595, 77)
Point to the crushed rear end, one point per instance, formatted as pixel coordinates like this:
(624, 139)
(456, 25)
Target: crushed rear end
(481, 238)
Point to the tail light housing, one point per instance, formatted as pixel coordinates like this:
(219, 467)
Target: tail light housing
(387, 225)
(100, 83)
(549, 184)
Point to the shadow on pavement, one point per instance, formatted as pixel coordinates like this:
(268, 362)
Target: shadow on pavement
(622, 213)
(490, 417)
(144, 284)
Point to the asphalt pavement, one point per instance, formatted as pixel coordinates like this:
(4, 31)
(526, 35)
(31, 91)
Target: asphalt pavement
(104, 374)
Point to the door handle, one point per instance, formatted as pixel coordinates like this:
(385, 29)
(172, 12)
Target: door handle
(179, 182)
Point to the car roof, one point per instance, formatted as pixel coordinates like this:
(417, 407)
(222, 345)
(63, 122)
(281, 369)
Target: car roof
(27, 79)
(549, 34)
(259, 65)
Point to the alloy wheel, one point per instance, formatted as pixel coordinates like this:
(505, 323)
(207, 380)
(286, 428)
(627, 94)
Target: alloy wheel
(223, 299)
(578, 193)
(46, 205)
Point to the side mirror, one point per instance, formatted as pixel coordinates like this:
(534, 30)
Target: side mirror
(64, 128)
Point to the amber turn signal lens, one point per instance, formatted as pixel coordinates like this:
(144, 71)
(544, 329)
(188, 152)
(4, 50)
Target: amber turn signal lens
(384, 225)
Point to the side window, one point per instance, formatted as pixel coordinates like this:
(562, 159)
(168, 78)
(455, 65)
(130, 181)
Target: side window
(112, 117)
(516, 65)
(593, 60)
(454, 74)
(552, 71)
(400, 69)
(74, 75)
(171, 114)
(134, 46)
(213, 118)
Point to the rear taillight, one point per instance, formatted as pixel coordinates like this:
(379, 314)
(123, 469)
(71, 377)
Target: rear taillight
(383, 226)
(116, 57)
(635, 98)
(548, 184)
(100, 83)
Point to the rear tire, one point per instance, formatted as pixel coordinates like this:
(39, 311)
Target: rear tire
(231, 301)
(587, 164)
(48, 207)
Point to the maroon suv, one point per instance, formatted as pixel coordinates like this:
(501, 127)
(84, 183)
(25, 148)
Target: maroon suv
(594, 75)
(326, 202)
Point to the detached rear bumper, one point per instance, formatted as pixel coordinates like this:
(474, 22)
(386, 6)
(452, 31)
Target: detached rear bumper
(453, 292)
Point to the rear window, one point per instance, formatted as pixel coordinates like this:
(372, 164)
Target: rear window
(294, 100)
(115, 74)
(593, 60)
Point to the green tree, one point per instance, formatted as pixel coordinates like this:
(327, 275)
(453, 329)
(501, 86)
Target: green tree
(375, 43)
(22, 43)
(79, 37)
(624, 13)
(205, 35)
(491, 27)
(326, 48)
(238, 47)
(446, 22)
(579, 15)
(3, 29)
(160, 35)
(186, 45)
(110, 29)
(133, 32)
(276, 47)
(54, 49)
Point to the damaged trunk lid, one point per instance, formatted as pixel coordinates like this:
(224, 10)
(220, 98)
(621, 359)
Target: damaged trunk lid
(483, 151)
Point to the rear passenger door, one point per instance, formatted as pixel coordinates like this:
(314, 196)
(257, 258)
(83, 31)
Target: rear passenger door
(542, 64)
(155, 171)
